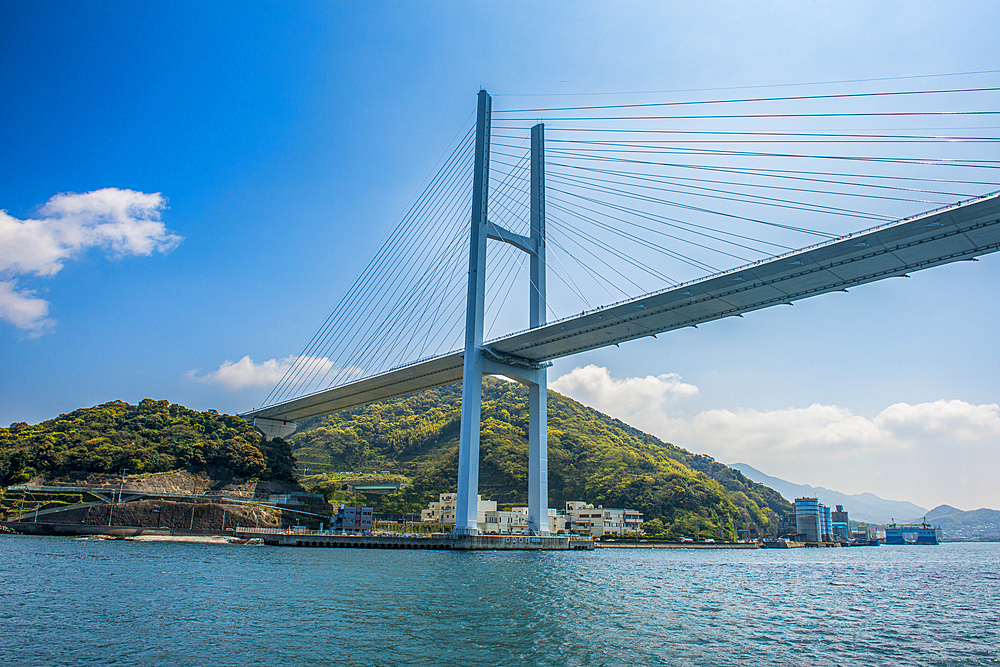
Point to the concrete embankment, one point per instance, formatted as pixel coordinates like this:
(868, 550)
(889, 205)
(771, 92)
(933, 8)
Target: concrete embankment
(675, 545)
(439, 541)
(157, 514)
(137, 533)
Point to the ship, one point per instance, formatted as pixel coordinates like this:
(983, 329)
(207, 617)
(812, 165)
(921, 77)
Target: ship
(912, 533)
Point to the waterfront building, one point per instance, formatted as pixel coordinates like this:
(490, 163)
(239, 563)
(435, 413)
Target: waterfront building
(583, 518)
(863, 531)
(786, 525)
(557, 521)
(352, 519)
(443, 510)
(503, 522)
(808, 519)
(489, 518)
(841, 523)
(515, 521)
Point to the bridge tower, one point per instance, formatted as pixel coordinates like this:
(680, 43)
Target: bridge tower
(479, 360)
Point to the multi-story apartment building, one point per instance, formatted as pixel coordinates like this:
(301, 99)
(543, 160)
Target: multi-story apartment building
(443, 510)
(599, 521)
(353, 519)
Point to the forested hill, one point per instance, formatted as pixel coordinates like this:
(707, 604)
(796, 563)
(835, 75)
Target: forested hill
(153, 436)
(591, 457)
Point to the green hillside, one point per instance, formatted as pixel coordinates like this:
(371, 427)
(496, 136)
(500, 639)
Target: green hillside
(591, 457)
(153, 436)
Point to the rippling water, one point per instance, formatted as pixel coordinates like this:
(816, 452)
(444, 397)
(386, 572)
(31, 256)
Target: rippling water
(87, 602)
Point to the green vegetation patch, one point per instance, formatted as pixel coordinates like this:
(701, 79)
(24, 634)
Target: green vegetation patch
(153, 436)
(591, 457)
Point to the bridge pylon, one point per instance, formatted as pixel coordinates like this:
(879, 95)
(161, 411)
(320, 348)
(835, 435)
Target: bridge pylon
(479, 360)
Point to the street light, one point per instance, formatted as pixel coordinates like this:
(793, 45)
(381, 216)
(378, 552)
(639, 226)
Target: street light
(111, 511)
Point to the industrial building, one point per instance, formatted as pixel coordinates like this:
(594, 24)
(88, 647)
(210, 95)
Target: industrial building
(815, 522)
(841, 523)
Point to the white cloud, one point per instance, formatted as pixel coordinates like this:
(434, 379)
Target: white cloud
(626, 398)
(958, 420)
(120, 222)
(23, 309)
(946, 451)
(247, 373)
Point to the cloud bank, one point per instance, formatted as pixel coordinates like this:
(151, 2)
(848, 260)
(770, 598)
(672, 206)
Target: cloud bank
(122, 223)
(945, 451)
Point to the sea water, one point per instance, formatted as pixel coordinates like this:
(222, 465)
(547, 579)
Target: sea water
(66, 601)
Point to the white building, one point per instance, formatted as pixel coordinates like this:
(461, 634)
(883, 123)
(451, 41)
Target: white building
(557, 522)
(443, 511)
(598, 521)
(489, 518)
(502, 522)
(516, 521)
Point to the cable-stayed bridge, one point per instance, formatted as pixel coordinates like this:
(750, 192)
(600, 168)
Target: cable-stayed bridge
(601, 206)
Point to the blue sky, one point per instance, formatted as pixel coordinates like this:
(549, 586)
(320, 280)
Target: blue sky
(287, 138)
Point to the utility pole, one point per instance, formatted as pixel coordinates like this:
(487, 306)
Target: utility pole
(111, 511)
(194, 501)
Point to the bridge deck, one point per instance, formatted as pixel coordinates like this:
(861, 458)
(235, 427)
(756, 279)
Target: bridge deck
(959, 232)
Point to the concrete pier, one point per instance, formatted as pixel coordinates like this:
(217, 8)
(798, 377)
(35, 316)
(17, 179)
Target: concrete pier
(441, 541)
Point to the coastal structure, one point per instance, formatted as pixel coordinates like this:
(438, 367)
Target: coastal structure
(353, 519)
(444, 510)
(841, 524)
(579, 518)
(814, 522)
(582, 518)
(515, 522)
(808, 519)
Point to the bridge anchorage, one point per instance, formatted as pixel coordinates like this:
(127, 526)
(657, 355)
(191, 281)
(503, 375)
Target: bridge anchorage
(958, 232)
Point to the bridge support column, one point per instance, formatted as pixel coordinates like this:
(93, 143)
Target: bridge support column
(538, 457)
(467, 503)
(538, 415)
(481, 361)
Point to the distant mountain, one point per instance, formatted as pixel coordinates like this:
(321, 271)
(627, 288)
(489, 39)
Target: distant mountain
(940, 511)
(865, 507)
(981, 524)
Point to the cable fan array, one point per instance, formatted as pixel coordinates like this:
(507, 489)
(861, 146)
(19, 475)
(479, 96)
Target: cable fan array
(644, 195)
(404, 303)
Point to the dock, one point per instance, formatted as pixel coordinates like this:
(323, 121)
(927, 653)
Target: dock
(446, 541)
(678, 545)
